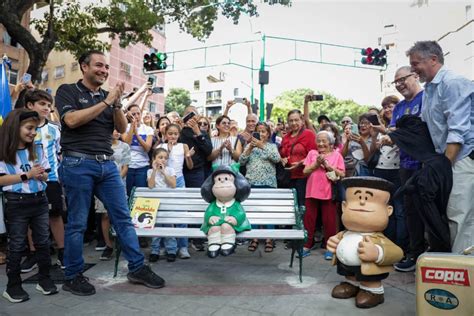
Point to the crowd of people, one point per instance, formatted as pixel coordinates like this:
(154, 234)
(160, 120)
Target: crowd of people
(96, 146)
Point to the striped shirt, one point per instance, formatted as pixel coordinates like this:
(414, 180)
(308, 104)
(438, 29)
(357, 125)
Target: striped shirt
(49, 136)
(24, 164)
(225, 157)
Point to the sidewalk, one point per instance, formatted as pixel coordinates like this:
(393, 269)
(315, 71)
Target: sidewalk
(243, 284)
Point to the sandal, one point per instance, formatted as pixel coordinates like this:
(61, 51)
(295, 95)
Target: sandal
(269, 246)
(253, 245)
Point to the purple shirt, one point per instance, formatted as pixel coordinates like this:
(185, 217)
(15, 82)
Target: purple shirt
(404, 107)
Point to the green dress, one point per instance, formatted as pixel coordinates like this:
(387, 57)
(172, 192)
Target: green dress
(235, 210)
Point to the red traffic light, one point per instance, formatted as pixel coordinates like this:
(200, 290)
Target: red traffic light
(367, 51)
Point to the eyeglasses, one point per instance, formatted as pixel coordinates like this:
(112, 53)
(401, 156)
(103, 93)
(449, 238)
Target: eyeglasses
(202, 124)
(401, 80)
(135, 114)
(365, 123)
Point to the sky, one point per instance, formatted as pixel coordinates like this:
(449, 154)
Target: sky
(348, 23)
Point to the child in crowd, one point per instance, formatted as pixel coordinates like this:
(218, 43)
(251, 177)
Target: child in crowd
(48, 136)
(23, 174)
(178, 154)
(122, 157)
(162, 176)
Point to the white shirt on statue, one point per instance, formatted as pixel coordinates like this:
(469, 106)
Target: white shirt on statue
(346, 251)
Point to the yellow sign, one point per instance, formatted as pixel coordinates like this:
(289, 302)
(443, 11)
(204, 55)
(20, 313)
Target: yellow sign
(144, 212)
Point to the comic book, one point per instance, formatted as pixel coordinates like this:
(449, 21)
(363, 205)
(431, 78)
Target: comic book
(144, 212)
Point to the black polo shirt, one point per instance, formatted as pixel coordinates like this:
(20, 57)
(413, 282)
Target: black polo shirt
(93, 138)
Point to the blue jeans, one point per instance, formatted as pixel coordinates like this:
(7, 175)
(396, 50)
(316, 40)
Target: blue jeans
(136, 177)
(170, 244)
(182, 242)
(396, 229)
(81, 179)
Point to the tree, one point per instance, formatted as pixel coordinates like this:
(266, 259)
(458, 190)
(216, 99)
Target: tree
(177, 100)
(75, 28)
(334, 108)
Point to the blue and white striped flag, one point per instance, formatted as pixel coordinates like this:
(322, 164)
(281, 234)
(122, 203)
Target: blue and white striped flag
(5, 100)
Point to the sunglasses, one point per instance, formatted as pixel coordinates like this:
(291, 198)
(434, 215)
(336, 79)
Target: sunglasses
(345, 122)
(202, 124)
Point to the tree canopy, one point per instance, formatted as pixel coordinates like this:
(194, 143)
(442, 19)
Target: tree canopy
(334, 108)
(177, 100)
(68, 25)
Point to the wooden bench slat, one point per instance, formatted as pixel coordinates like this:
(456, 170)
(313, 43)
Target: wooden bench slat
(162, 214)
(249, 203)
(196, 233)
(202, 208)
(192, 190)
(198, 221)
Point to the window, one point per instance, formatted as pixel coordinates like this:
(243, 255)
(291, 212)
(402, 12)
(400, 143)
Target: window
(74, 66)
(214, 97)
(152, 107)
(236, 92)
(59, 72)
(213, 111)
(12, 76)
(197, 85)
(8, 40)
(45, 75)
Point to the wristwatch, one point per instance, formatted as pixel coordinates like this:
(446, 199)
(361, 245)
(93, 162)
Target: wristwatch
(24, 177)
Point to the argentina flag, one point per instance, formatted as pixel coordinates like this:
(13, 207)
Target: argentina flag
(5, 100)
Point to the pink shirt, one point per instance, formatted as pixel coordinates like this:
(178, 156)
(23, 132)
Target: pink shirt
(318, 185)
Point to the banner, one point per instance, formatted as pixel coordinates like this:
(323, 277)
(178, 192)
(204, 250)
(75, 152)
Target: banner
(5, 100)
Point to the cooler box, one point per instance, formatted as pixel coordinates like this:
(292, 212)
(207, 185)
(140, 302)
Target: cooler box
(444, 284)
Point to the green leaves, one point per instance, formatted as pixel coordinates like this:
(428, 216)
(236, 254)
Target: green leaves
(177, 100)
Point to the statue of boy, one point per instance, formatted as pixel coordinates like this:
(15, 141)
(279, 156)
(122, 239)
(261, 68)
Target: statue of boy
(363, 254)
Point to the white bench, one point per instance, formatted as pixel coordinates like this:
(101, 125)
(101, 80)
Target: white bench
(263, 207)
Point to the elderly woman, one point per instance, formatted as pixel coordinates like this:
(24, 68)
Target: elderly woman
(260, 156)
(323, 166)
(226, 148)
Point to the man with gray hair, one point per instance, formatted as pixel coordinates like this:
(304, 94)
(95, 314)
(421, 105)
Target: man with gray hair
(449, 113)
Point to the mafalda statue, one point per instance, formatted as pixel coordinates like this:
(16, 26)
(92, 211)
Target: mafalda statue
(224, 189)
(363, 254)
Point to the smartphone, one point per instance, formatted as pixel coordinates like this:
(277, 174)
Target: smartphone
(26, 78)
(239, 100)
(151, 80)
(157, 90)
(317, 97)
(188, 116)
(256, 135)
(373, 119)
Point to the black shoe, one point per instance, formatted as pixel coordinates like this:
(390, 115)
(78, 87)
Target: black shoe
(29, 263)
(197, 245)
(213, 253)
(60, 261)
(47, 287)
(107, 254)
(147, 277)
(406, 265)
(100, 245)
(153, 257)
(227, 252)
(16, 294)
(171, 257)
(79, 286)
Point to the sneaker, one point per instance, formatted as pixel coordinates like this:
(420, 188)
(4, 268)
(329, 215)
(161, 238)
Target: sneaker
(79, 286)
(306, 253)
(29, 263)
(47, 287)
(16, 294)
(100, 245)
(153, 257)
(147, 277)
(328, 255)
(60, 261)
(197, 245)
(171, 257)
(184, 253)
(107, 254)
(406, 265)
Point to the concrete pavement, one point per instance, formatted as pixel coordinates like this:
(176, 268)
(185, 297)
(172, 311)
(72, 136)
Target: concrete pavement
(245, 283)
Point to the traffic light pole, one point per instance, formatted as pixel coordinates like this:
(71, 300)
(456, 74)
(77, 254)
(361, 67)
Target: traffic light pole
(261, 102)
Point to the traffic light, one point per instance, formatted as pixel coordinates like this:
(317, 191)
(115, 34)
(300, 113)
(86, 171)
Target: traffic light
(155, 61)
(375, 57)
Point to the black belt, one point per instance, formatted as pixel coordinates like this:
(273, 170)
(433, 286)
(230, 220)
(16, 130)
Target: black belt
(86, 156)
(23, 196)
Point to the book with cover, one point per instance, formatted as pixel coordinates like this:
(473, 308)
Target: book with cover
(144, 212)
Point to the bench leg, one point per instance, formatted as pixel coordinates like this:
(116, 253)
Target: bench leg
(293, 250)
(118, 249)
(300, 252)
